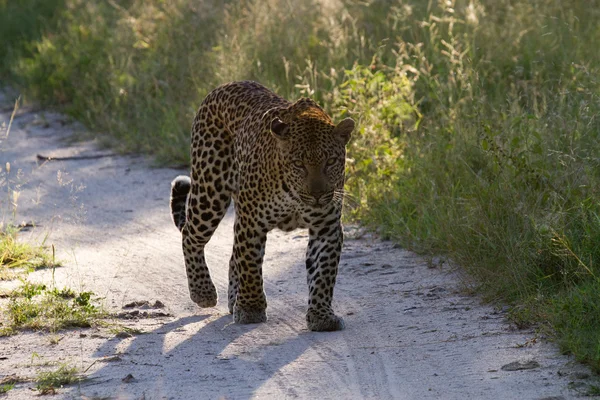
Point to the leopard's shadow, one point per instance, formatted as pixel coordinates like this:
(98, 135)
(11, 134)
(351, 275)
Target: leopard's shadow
(203, 362)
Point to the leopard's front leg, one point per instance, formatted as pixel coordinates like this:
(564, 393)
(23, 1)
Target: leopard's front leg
(247, 298)
(322, 259)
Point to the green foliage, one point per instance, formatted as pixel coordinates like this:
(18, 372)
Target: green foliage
(120, 68)
(478, 132)
(21, 23)
(382, 101)
(6, 387)
(19, 256)
(35, 306)
(49, 381)
(576, 317)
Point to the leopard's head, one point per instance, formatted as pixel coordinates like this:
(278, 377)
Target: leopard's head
(312, 151)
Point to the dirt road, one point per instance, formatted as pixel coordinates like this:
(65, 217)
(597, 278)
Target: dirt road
(412, 331)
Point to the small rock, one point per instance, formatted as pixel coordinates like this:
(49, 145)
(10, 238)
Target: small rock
(97, 336)
(579, 375)
(520, 365)
(139, 303)
(128, 378)
(158, 304)
(128, 314)
(160, 314)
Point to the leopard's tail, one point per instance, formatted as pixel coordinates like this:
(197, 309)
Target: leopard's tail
(180, 188)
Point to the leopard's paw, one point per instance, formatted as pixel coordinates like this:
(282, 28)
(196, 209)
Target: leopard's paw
(205, 298)
(243, 315)
(323, 321)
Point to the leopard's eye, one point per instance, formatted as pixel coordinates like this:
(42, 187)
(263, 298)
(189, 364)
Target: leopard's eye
(298, 164)
(330, 162)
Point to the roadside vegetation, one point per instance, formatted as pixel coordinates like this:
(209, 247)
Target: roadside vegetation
(18, 258)
(479, 120)
(47, 382)
(37, 307)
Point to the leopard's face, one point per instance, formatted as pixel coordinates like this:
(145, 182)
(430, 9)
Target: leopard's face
(313, 154)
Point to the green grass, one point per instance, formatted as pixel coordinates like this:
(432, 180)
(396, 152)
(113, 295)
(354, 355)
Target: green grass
(48, 381)
(576, 318)
(34, 306)
(37, 307)
(122, 331)
(17, 258)
(478, 134)
(6, 387)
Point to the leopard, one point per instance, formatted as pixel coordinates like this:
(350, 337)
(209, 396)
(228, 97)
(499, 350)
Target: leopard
(283, 165)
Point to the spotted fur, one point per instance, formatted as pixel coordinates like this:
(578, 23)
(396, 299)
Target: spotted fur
(283, 165)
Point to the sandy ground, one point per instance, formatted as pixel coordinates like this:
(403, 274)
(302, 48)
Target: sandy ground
(412, 331)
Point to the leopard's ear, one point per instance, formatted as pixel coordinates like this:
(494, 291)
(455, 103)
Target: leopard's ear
(280, 129)
(344, 129)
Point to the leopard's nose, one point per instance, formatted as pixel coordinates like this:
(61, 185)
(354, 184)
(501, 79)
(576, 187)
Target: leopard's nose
(317, 194)
(317, 188)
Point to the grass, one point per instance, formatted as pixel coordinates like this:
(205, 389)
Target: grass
(576, 318)
(478, 128)
(48, 381)
(17, 258)
(6, 387)
(122, 331)
(37, 307)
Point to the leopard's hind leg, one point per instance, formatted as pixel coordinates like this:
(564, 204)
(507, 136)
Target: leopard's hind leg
(207, 201)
